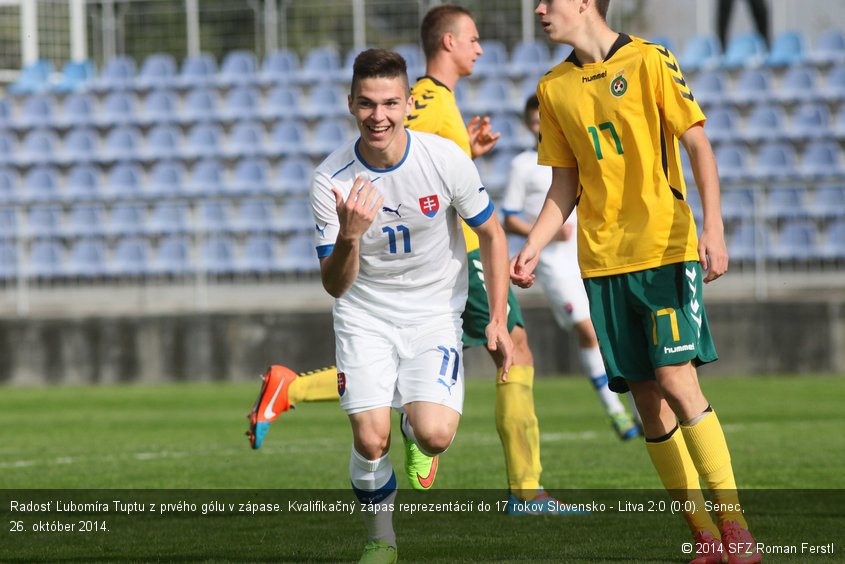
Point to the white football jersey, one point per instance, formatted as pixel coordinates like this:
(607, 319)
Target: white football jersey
(412, 262)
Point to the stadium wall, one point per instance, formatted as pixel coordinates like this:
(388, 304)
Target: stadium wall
(753, 338)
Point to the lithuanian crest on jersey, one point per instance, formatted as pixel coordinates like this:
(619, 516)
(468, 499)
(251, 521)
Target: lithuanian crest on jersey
(618, 86)
(429, 205)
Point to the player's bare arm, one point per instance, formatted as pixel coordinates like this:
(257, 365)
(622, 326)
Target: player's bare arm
(481, 136)
(518, 226)
(493, 246)
(355, 215)
(560, 201)
(712, 252)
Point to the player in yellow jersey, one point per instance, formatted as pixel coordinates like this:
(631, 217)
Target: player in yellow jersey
(451, 45)
(611, 118)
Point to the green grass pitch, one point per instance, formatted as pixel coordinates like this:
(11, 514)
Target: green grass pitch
(158, 445)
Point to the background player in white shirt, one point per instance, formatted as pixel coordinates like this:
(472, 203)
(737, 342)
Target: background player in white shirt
(558, 271)
(392, 253)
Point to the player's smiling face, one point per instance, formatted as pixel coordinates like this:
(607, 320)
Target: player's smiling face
(379, 106)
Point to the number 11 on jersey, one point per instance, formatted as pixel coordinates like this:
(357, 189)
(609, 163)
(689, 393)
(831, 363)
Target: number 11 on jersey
(391, 238)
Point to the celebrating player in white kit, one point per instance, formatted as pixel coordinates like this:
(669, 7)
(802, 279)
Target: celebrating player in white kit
(392, 252)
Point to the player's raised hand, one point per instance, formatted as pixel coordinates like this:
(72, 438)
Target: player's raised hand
(713, 255)
(481, 136)
(357, 212)
(523, 265)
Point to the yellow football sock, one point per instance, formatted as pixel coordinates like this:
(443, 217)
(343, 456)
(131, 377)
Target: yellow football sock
(316, 385)
(709, 451)
(519, 431)
(672, 461)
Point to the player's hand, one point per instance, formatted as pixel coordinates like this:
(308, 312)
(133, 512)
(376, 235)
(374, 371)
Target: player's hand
(713, 255)
(481, 136)
(358, 211)
(499, 342)
(523, 265)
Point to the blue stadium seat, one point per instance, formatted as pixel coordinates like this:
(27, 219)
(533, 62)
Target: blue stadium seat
(33, 78)
(789, 48)
(748, 241)
(839, 123)
(693, 200)
(321, 64)
(765, 122)
(239, 67)
(82, 145)
(828, 202)
(198, 70)
(8, 148)
(786, 203)
(496, 173)
(775, 161)
(217, 256)
(820, 160)
(526, 88)
(529, 58)
(169, 219)
(250, 176)
(172, 257)
(796, 241)
(723, 124)
(166, 179)
(207, 178)
(738, 204)
(300, 256)
(118, 73)
(159, 107)
(325, 102)
(810, 121)
(85, 221)
(74, 77)
(294, 176)
(701, 52)
(118, 108)
(413, 59)
(753, 87)
(39, 147)
(125, 181)
(494, 94)
(259, 256)
(130, 258)
(514, 135)
(127, 219)
(829, 48)
(46, 260)
(9, 182)
(343, 75)
(254, 216)
(832, 243)
(7, 114)
(8, 262)
(798, 84)
(82, 183)
(296, 216)
(204, 141)
(8, 224)
(279, 67)
(123, 143)
(288, 137)
(241, 103)
(162, 142)
(246, 139)
(87, 259)
(710, 88)
(158, 70)
(493, 59)
(44, 222)
(833, 90)
(78, 110)
(329, 135)
(200, 105)
(746, 50)
(733, 162)
(41, 184)
(36, 111)
(282, 102)
(561, 53)
(212, 217)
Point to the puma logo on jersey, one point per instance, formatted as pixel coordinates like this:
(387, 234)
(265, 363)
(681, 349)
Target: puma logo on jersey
(323, 230)
(448, 387)
(388, 210)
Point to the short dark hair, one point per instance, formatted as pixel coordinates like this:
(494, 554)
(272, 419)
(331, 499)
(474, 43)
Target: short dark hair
(532, 104)
(437, 22)
(602, 6)
(379, 63)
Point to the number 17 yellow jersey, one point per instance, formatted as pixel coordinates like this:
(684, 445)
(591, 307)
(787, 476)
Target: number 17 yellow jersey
(618, 121)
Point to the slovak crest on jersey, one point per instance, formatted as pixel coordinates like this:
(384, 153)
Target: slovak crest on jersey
(429, 205)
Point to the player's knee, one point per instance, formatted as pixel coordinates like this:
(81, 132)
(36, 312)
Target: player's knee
(372, 445)
(521, 353)
(435, 439)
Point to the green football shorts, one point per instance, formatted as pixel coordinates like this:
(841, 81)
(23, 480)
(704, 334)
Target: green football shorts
(476, 316)
(649, 319)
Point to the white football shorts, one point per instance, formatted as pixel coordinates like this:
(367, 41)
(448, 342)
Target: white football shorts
(384, 365)
(560, 277)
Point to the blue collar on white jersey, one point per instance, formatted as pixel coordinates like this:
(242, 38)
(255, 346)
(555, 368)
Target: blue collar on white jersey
(394, 167)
